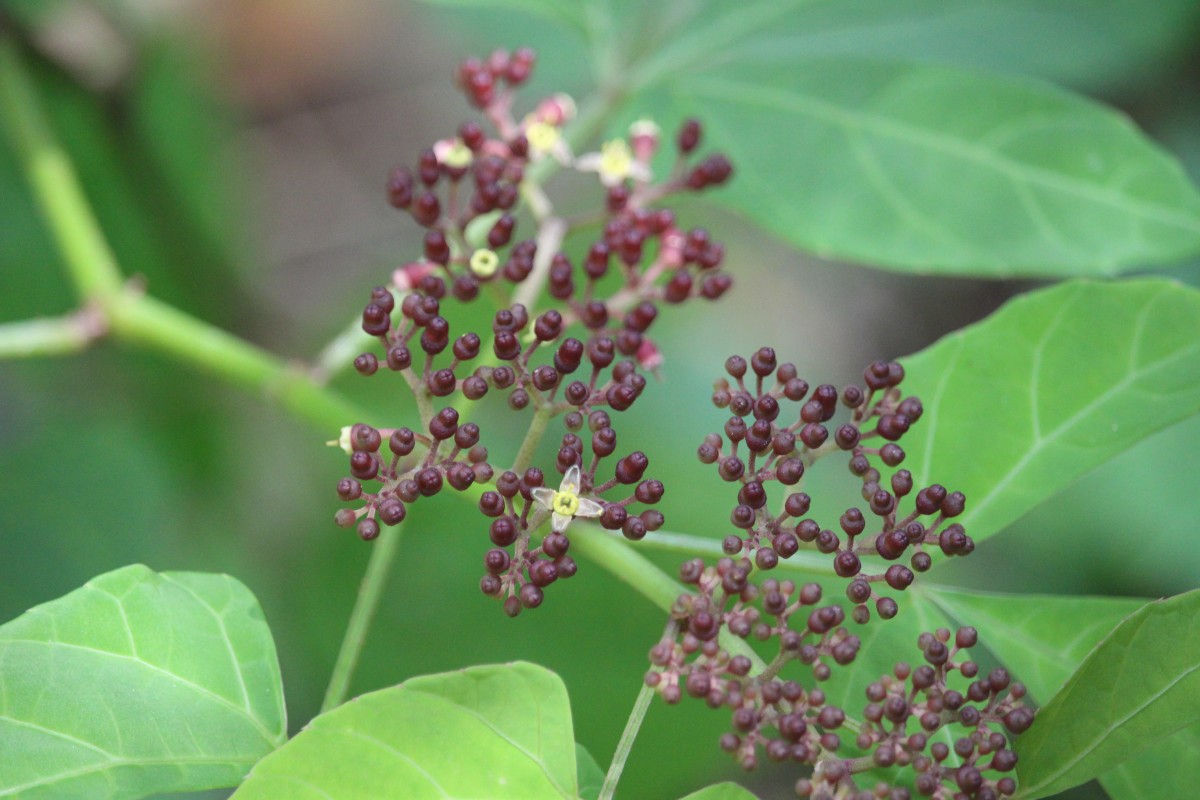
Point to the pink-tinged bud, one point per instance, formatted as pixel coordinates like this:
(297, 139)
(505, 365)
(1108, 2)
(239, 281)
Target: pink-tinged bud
(453, 154)
(406, 278)
(644, 136)
(648, 356)
(671, 250)
(555, 110)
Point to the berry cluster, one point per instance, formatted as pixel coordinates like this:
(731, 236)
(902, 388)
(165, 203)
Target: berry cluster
(449, 454)
(657, 261)
(973, 767)
(788, 722)
(521, 503)
(467, 193)
(759, 447)
(691, 659)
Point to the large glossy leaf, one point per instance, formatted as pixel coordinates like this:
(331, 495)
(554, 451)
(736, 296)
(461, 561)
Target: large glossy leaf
(137, 683)
(491, 731)
(1141, 684)
(936, 169)
(1049, 387)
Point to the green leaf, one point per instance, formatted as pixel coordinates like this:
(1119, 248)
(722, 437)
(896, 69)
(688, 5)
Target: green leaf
(1040, 638)
(924, 168)
(409, 741)
(1090, 44)
(1141, 684)
(589, 773)
(137, 683)
(1049, 387)
(722, 791)
(1167, 771)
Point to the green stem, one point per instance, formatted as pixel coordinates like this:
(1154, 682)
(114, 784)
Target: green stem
(340, 352)
(537, 427)
(625, 563)
(687, 543)
(383, 553)
(610, 552)
(90, 261)
(126, 312)
(72, 333)
(145, 320)
(632, 726)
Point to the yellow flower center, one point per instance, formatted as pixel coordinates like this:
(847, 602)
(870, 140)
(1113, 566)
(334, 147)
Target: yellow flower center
(541, 136)
(458, 156)
(484, 262)
(565, 503)
(616, 160)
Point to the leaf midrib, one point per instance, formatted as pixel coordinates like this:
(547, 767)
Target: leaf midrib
(269, 737)
(885, 127)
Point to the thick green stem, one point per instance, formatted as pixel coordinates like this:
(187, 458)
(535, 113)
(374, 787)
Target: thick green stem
(625, 563)
(144, 320)
(89, 259)
(687, 543)
(379, 566)
(127, 313)
(612, 553)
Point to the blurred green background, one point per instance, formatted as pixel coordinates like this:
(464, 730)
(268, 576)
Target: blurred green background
(235, 152)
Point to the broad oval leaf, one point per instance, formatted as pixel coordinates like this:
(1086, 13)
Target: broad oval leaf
(137, 683)
(1141, 684)
(927, 168)
(1049, 387)
(492, 731)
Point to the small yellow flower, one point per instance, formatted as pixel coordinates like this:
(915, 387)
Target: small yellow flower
(542, 136)
(453, 153)
(565, 504)
(615, 163)
(484, 262)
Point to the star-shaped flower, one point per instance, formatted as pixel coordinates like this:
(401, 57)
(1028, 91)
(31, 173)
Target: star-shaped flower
(614, 163)
(565, 504)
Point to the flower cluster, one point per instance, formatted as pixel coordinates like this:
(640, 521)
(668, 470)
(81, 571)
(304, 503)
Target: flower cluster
(760, 447)
(788, 722)
(785, 719)
(580, 359)
(520, 504)
(450, 454)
